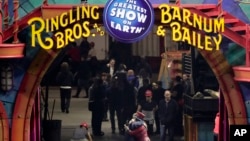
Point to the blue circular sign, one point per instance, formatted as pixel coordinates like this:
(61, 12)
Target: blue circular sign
(128, 20)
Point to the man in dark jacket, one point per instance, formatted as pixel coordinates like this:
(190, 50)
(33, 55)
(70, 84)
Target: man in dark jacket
(167, 114)
(110, 68)
(83, 76)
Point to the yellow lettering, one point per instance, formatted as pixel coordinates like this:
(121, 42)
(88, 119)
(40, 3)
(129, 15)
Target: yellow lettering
(219, 25)
(85, 26)
(95, 26)
(77, 13)
(176, 33)
(101, 33)
(165, 13)
(68, 36)
(98, 29)
(217, 41)
(197, 21)
(37, 34)
(47, 25)
(63, 19)
(186, 35)
(208, 25)
(77, 31)
(71, 17)
(199, 41)
(208, 43)
(54, 23)
(74, 31)
(85, 11)
(94, 13)
(59, 40)
(186, 16)
(49, 43)
(176, 13)
(194, 38)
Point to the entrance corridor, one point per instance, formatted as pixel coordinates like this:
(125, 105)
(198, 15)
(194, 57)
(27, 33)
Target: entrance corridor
(78, 113)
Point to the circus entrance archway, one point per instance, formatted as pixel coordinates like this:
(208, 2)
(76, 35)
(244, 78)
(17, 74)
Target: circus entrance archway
(40, 60)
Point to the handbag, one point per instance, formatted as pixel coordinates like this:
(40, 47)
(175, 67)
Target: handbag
(91, 105)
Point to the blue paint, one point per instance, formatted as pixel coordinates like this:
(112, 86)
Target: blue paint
(247, 103)
(232, 7)
(235, 54)
(191, 1)
(8, 106)
(245, 88)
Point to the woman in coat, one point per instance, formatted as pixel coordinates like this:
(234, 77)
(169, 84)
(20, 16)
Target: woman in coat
(65, 81)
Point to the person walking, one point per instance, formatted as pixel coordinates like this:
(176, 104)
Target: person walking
(83, 76)
(168, 109)
(65, 80)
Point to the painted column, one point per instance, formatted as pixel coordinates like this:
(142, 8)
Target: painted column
(15, 10)
(6, 13)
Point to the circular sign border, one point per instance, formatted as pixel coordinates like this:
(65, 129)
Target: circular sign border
(105, 15)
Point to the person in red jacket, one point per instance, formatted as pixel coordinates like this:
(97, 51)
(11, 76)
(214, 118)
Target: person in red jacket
(137, 128)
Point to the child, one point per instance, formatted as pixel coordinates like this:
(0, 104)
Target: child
(137, 129)
(81, 133)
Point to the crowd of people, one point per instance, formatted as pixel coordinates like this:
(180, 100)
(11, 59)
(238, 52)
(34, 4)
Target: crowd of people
(116, 92)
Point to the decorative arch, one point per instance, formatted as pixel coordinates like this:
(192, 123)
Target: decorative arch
(4, 123)
(27, 92)
(233, 98)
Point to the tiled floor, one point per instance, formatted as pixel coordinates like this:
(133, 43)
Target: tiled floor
(79, 113)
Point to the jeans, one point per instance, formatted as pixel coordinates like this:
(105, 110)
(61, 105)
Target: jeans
(65, 95)
(163, 129)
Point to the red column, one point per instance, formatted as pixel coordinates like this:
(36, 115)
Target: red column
(242, 72)
(1, 21)
(247, 46)
(10, 50)
(178, 2)
(15, 10)
(219, 6)
(6, 13)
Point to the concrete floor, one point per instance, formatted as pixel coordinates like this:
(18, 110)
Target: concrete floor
(79, 113)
